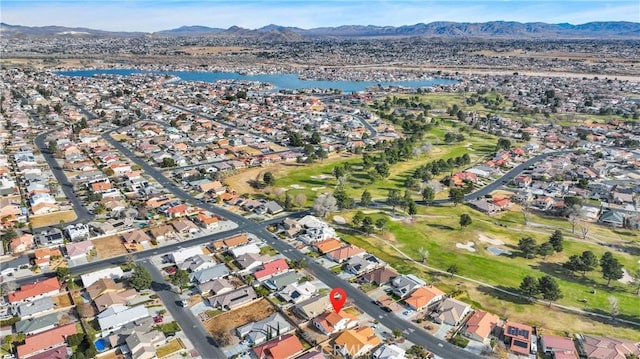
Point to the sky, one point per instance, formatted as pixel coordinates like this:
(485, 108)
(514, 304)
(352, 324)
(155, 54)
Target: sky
(156, 15)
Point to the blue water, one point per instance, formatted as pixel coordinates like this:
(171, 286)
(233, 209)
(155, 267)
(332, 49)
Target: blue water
(498, 251)
(280, 81)
(100, 344)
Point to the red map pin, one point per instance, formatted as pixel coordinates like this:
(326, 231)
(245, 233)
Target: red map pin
(337, 298)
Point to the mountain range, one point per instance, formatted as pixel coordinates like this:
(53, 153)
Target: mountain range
(492, 29)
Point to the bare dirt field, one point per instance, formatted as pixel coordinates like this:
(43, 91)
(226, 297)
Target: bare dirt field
(108, 247)
(241, 316)
(62, 300)
(52, 218)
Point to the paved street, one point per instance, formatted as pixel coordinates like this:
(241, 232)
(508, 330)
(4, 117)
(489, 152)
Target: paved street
(191, 326)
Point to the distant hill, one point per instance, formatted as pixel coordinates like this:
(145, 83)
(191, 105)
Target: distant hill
(492, 29)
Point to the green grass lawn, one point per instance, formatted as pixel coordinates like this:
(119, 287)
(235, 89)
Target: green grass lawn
(440, 233)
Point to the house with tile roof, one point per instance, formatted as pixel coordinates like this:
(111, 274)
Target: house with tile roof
(518, 337)
(331, 322)
(137, 236)
(31, 291)
(353, 343)
(480, 325)
(284, 347)
(558, 347)
(270, 269)
(21, 243)
(606, 347)
(423, 297)
(328, 245)
(44, 341)
(380, 276)
(77, 250)
(342, 254)
(451, 311)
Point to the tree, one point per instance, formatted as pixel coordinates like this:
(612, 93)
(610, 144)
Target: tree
(140, 278)
(503, 144)
(424, 254)
(549, 289)
(9, 235)
(528, 247)
(53, 146)
(394, 199)
(428, 194)
(613, 306)
(268, 178)
(300, 200)
(584, 230)
(381, 222)
(365, 198)
(556, 240)
(367, 225)
(357, 218)
(324, 204)
(406, 200)
(546, 249)
(452, 269)
(465, 220)
(574, 264)
(636, 280)
(456, 195)
(529, 287)
(168, 162)
(180, 279)
(413, 208)
(611, 267)
(588, 262)
(62, 273)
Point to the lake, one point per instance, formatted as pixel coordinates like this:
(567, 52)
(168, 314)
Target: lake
(280, 81)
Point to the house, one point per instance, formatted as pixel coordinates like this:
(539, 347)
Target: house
(183, 254)
(270, 269)
(251, 261)
(77, 232)
(44, 208)
(312, 307)
(291, 226)
(163, 232)
(231, 242)
(606, 347)
(43, 256)
(137, 236)
(331, 322)
(484, 206)
(522, 181)
(207, 221)
(184, 226)
(37, 325)
(77, 250)
(328, 245)
(32, 307)
(612, 218)
(405, 284)
(273, 207)
(451, 311)
(245, 249)
(380, 276)
(144, 345)
(43, 288)
(285, 347)
(110, 299)
(264, 330)
(21, 243)
(279, 281)
(110, 272)
(233, 299)
(216, 286)
(342, 254)
(517, 337)
(50, 238)
(38, 343)
(423, 297)
(177, 211)
(353, 343)
(197, 263)
(389, 351)
(297, 292)
(388, 304)
(117, 316)
(209, 274)
(102, 286)
(362, 264)
(480, 325)
(558, 347)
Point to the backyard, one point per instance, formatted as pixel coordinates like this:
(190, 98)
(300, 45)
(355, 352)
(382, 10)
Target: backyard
(224, 323)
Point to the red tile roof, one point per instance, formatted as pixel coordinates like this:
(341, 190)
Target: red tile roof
(34, 289)
(271, 268)
(45, 340)
(285, 347)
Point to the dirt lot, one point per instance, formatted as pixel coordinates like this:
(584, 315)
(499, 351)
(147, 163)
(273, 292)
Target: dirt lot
(229, 321)
(62, 301)
(52, 218)
(108, 247)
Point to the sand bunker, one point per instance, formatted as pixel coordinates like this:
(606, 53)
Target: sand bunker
(318, 188)
(468, 246)
(492, 241)
(322, 177)
(296, 186)
(626, 277)
(339, 220)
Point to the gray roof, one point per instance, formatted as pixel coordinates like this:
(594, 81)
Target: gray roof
(37, 306)
(209, 274)
(280, 281)
(264, 330)
(312, 307)
(118, 316)
(33, 325)
(233, 299)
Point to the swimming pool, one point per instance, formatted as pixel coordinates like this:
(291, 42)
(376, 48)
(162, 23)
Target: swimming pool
(100, 344)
